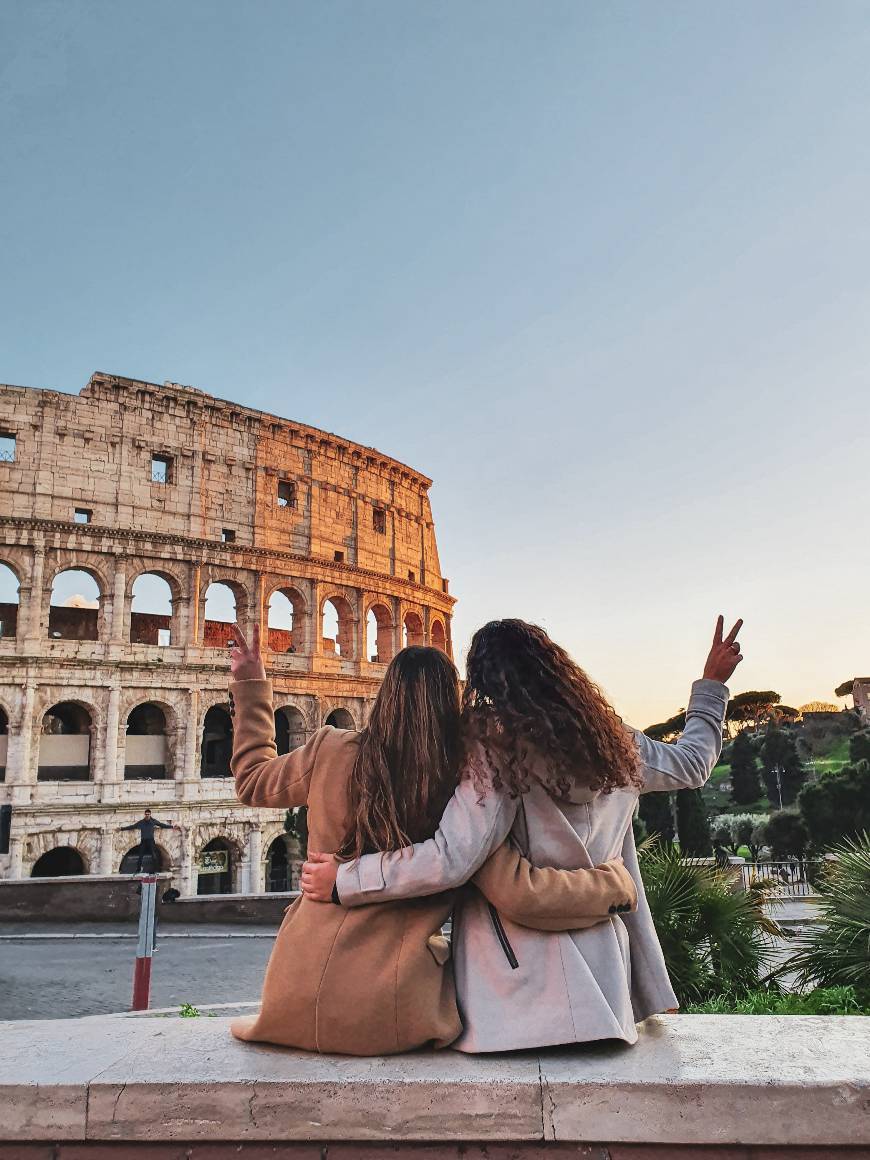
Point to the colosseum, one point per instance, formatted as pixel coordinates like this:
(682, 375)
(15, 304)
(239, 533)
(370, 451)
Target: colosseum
(137, 521)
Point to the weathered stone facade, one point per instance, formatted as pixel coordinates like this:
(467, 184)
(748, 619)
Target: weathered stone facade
(130, 478)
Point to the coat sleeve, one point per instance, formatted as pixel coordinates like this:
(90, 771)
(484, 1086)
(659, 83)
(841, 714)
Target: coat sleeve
(689, 761)
(546, 899)
(471, 827)
(262, 777)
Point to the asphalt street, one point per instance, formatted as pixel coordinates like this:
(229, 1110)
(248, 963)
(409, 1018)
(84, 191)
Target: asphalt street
(57, 972)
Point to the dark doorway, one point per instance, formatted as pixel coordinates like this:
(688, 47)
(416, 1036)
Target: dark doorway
(212, 879)
(278, 867)
(58, 863)
(217, 743)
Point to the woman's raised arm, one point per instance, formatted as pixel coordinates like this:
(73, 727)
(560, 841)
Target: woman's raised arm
(689, 761)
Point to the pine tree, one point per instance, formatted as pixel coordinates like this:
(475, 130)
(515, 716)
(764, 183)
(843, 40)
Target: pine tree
(745, 780)
(779, 751)
(693, 824)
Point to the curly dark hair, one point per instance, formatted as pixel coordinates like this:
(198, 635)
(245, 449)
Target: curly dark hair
(527, 702)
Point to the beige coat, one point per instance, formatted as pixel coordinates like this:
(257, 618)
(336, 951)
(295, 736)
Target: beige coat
(376, 980)
(521, 988)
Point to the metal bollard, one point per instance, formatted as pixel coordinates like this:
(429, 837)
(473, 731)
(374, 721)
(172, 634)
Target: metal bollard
(145, 947)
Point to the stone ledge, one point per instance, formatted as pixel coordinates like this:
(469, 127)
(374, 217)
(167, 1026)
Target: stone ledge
(691, 1080)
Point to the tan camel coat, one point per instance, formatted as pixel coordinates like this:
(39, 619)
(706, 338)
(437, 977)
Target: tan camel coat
(378, 979)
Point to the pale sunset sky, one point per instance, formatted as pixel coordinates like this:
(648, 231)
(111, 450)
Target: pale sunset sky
(601, 270)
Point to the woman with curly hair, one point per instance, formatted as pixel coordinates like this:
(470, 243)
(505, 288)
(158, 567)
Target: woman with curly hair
(548, 762)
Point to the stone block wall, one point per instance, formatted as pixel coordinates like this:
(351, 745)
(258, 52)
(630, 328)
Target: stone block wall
(250, 501)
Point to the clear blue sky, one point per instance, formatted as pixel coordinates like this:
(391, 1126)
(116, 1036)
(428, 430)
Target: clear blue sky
(602, 270)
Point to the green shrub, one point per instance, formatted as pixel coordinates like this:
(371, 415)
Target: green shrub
(835, 949)
(716, 937)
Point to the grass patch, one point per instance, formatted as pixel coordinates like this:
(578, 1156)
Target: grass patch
(821, 1001)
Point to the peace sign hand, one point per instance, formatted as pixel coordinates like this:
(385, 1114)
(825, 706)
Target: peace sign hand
(246, 661)
(725, 654)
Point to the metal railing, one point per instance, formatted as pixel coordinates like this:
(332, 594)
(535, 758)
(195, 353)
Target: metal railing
(795, 879)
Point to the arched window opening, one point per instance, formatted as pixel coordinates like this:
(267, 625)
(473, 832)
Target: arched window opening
(217, 743)
(4, 741)
(220, 611)
(151, 610)
(277, 866)
(65, 744)
(285, 621)
(145, 754)
(60, 862)
(289, 729)
(340, 719)
(439, 638)
(215, 867)
(412, 630)
(75, 606)
(337, 634)
(130, 861)
(8, 602)
(379, 634)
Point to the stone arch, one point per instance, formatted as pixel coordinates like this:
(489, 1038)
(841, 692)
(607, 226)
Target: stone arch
(340, 718)
(67, 730)
(216, 745)
(214, 837)
(412, 629)
(78, 615)
(380, 632)
(341, 619)
(130, 860)
(278, 864)
(151, 731)
(290, 728)
(60, 861)
(438, 634)
(215, 620)
(10, 600)
(156, 620)
(284, 637)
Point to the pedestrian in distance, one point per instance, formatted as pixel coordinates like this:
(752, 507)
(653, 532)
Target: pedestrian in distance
(147, 846)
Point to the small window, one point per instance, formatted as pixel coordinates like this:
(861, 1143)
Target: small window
(83, 515)
(163, 637)
(7, 447)
(339, 557)
(161, 469)
(228, 536)
(286, 493)
(412, 576)
(379, 521)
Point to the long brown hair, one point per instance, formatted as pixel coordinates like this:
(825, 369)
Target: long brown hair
(408, 761)
(525, 699)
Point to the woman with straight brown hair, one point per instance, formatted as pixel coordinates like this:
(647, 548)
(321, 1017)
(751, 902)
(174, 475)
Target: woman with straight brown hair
(548, 761)
(378, 981)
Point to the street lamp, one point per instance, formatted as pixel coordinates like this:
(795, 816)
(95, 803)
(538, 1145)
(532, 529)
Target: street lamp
(778, 771)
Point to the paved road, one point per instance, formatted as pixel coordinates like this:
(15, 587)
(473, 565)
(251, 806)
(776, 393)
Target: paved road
(58, 977)
(53, 972)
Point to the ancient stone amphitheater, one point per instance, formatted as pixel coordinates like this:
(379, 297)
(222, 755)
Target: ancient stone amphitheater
(136, 521)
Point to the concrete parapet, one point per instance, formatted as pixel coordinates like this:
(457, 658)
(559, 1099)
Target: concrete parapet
(726, 1086)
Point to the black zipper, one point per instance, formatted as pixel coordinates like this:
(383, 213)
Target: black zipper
(503, 938)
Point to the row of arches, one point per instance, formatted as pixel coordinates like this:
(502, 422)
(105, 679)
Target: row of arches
(66, 733)
(218, 866)
(76, 602)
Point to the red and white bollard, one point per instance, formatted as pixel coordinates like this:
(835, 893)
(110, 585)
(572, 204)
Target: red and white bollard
(145, 948)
